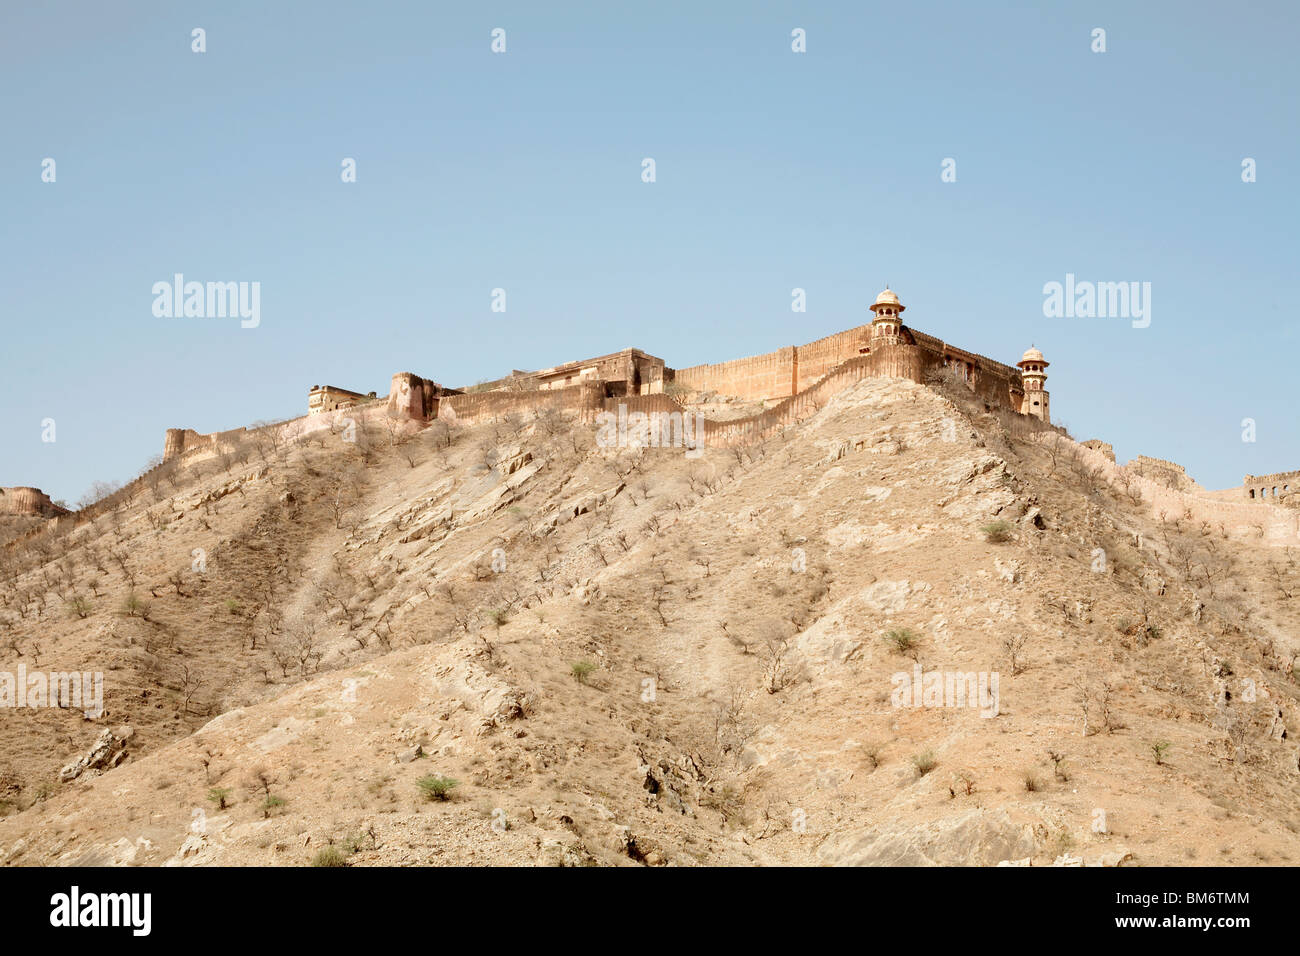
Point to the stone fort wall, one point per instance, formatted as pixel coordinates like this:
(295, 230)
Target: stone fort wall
(775, 375)
(898, 361)
(758, 378)
(26, 501)
(779, 375)
(179, 441)
(799, 380)
(467, 409)
(1277, 487)
(1168, 473)
(796, 379)
(1273, 525)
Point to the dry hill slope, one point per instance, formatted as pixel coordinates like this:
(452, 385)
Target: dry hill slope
(636, 657)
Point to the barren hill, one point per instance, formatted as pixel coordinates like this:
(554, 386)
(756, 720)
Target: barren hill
(635, 656)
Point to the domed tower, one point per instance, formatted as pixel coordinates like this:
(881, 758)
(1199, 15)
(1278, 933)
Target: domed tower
(1033, 375)
(888, 321)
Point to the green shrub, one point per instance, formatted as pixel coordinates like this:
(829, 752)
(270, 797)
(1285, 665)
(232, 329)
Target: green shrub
(997, 532)
(219, 795)
(79, 607)
(581, 670)
(354, 843)
(330, 856)
(438, 788)
(270, 803)
(924, 762)
(133, 606)
(901, 639)
(1158, 748)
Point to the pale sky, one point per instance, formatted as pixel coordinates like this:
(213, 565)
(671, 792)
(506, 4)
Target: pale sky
(522, 170)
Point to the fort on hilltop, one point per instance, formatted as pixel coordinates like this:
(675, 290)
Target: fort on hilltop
(787, 383)
(775, 390)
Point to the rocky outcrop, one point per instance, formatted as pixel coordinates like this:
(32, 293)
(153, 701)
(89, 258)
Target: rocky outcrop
(108, 750)
(974, 838)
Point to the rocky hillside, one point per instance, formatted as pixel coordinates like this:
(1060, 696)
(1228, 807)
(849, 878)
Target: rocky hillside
(502, 644)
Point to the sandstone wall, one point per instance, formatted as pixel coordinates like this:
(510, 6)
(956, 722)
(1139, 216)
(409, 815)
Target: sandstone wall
(992, 380)
(788, 371)
(177, 441)
(645, 403)
(817, 358)
(1168, 473)
(28, 502)
(758, 378)
(585, 400)
(1272, 525)
(640, 373)
(1096, 444)
(1280, 484)
(886, 360)
(894, 359)
(414, 397)
(184, 442)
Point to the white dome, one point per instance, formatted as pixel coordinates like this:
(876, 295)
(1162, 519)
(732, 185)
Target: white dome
(888, 297)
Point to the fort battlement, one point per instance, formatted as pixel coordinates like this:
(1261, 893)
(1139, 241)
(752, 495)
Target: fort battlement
(627, 372)
(1274, 526)
(1274, 487)
(792, 383)
(1096, 444)
(777, 379)
(1168, 473)
(787, 381)
(182, 441)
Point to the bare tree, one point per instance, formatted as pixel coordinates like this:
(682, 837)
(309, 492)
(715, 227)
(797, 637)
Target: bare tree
(304, 648)
(190, 682)
(778, 671)
(1014, 645)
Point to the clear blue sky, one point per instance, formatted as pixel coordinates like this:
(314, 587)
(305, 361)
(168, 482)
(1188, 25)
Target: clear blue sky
(523, 171)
